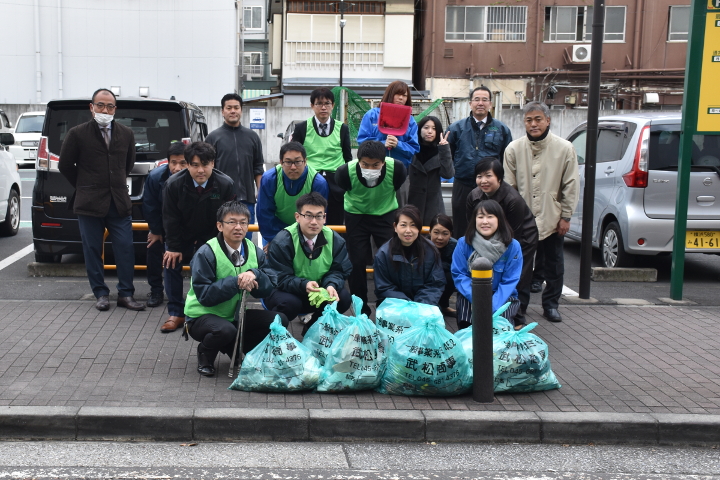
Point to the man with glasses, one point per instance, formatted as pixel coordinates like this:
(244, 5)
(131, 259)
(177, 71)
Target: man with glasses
(222, 269)
(305, 257)
(191, 199)
(96, 158)
(472, 139)
(239, 153)
(327, 143)
(280, 188)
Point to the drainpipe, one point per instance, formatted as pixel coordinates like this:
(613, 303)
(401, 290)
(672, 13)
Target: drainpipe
(432, 51)
(38, 71)
(537, 35)
(60, 67)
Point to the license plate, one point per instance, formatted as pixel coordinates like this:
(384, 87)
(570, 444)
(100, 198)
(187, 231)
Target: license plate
(129, 185)
(32, 153)
(702, 239)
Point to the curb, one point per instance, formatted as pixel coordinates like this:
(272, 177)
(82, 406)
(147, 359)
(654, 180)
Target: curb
(603, 274)
(339, 425)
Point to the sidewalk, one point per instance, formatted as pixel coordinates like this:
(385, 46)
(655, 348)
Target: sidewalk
(651, 365)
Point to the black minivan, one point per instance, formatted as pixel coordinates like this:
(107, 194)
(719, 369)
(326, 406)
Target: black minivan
(155, 122)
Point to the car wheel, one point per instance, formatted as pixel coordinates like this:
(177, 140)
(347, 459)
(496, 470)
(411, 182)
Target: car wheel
(613, 252)
(11, 225)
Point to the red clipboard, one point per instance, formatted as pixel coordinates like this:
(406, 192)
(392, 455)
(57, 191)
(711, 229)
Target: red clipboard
(394, 119)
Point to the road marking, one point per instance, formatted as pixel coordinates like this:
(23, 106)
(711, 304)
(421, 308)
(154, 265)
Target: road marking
(569, 293)
(16, 256)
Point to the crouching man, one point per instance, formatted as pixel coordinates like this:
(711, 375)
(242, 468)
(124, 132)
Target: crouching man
(221, 269)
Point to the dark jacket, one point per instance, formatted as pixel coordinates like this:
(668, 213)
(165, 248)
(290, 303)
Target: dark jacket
(239, 156)
(189, 217)
(280, 259)
(211, 291)
(409, 281)
(518, 214)
(446, 254)
(342, 175)
(152, 199)
(300, 132)
(425, 190)
(469, 145)
(97, 173)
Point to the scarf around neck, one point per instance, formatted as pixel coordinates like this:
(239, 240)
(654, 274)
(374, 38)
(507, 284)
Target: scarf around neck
(492, 249)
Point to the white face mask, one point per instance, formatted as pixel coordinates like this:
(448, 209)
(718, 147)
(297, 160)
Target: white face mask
(371, 176)
(103, 118)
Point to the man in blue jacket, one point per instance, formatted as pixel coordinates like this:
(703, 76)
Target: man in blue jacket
(280, 188)
(152, 210)
(472, 139)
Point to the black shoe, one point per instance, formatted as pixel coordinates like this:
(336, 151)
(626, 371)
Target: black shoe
(206, 371)
(552, 314)
(103, 303)
(155, 299)
(205, 364)
(536, 287)
(130, 304)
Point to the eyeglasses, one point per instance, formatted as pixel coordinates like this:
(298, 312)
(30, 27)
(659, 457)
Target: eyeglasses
(321, 105)
(310, 217)
(110, 107)
(234, 224)
(484, 100)
(296, 163)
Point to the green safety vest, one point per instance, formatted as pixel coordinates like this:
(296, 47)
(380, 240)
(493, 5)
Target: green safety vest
(223, 268)
(284, 202)
(377, 200)
(323, 153)
(316, 268)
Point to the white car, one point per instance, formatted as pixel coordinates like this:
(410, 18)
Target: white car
(27, 132)
(9, 188)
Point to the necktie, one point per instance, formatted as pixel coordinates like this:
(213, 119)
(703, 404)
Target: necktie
(236, 258)
(323, 129)
(106, 135)
(200, 189)
(310, 244)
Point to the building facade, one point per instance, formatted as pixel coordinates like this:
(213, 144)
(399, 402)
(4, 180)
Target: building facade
(540, 50)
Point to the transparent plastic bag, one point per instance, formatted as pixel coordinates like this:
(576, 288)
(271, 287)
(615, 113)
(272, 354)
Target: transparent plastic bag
(500, 325)
(320, 336)
(426, 360)
(395, 316)
(278, 364)
(521, 362)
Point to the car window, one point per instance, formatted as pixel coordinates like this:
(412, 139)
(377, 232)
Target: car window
(4, 121)
(664, 148)
(579, 142)
(154, 126)
(30, 124)
(610, 145)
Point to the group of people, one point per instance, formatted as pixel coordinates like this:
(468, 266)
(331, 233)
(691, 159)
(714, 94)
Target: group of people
(510, 200)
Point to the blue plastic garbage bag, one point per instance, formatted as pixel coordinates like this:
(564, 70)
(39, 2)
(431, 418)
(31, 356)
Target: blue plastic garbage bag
(521, 362)
(395, 316)
(426, 360)
(278, 364)
(500, 325)
(357, 358)
(320, 336)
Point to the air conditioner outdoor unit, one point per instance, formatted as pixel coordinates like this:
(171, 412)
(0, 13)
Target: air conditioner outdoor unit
(581, 53)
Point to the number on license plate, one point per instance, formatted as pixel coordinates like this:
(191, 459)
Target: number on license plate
(702, 239)
(32, 154)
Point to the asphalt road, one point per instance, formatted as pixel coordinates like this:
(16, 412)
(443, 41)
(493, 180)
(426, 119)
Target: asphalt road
(357, 461)
(702, 272)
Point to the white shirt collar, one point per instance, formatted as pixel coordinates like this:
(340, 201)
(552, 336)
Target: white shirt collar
(198, 185)
(318, 122)
(313, 239)
(479, 122)
(232, 250)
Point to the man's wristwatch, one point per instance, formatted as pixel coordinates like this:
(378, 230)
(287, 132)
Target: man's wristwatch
(567, 219)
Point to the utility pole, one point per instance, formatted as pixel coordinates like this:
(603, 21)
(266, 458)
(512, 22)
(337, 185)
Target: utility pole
(240, 47)
(342, 6)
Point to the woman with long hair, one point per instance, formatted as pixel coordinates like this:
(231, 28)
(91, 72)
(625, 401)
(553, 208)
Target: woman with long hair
(432, 162)
(441, 229)
(408, 266)
(488, 235)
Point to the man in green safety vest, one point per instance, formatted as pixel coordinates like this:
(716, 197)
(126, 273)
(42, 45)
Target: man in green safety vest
(328, 146)
(280, 187)
(221, 269)
(370, 184)
(305, 257)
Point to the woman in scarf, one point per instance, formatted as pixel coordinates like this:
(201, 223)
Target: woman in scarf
(432, 162)
(489, 236)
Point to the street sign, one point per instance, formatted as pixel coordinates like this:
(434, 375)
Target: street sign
(713, 4)
(708, 118)
(257, 118)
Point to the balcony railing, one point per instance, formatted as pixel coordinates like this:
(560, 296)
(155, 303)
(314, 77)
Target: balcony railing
(326, 55)
(253, 70)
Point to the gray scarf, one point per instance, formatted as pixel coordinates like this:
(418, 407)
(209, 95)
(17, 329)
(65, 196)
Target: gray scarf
(491, 249)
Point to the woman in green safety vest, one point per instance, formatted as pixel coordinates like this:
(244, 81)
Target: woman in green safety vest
(222, 269)
(370, 184)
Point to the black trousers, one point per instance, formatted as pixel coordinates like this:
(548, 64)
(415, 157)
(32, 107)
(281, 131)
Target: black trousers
(360, 230)
(336, 202)
(539, 265)
(526, 276)
(155, 268)
(217, 334)
(292, 305)
(554, 268)
(460, 193)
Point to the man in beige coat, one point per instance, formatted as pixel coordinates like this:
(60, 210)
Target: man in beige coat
(543, 168)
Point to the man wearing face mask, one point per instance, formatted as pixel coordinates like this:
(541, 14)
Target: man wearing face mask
(370, 184)
(96, 158)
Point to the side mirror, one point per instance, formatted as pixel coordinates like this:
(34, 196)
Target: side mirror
(280, 135)
(7, 139)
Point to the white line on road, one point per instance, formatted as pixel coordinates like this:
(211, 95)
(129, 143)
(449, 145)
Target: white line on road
(16, 256)
(569, 293)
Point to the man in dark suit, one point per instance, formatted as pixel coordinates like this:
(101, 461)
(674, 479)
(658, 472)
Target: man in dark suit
(96, 158)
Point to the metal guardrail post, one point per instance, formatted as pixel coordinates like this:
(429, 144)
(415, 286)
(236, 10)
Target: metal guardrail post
(483, 382)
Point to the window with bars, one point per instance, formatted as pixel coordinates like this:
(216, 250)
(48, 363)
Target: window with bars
(679, 23)
(252, 64)
(365, 8)
(574, 24)
(485, 24)
(252, 18)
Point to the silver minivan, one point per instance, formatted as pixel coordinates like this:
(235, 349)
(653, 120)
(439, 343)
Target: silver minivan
(636, 184)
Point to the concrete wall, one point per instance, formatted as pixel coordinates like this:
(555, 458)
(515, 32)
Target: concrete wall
(562, 122)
